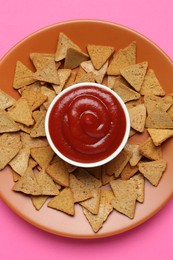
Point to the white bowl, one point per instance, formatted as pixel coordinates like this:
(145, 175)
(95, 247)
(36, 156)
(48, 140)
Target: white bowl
(77, 162)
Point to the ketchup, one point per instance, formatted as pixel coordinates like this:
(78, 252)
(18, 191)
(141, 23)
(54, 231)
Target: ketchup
(87, 124)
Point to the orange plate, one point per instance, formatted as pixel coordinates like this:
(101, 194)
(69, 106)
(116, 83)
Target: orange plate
(83, 32)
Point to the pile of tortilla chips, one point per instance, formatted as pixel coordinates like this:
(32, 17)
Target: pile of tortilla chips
(47, 179)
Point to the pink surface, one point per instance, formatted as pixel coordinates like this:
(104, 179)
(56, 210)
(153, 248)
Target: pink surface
(151, 240)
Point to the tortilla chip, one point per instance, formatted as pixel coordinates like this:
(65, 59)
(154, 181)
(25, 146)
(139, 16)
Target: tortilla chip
(50, 94)
(6, 155)
(98, 74)
(136, 156)
(74, 58)
(6, 101)
(137, 117)
(21, 112)
(48, 73)
(63, 75)
(47, 185)
(133, 103)
(39, 128)
(105, 178)
(158, 136)
(125, 192)
(40, 59)
(151, 85)
(7, 124)
(130, 52)
(152, 102)
(159, 118)
(153, 170)
(95, 171)
(150, 151)
(42, 155)
(79, 189)
(87, 77)
(28, 183)
(140, 181)
(64, 43)
(23, 76)
(86, 178)
(11, 140)
(135, 74)
(117, 164)
(118, 62)
(125, 92)
(92, 204)
(34, 98)
(20, 162)
(30, 142)
(128, 172)
(111, 81)
(59, 173)
(99, 54)
(71, 79)
(39, 201)
(63, 202)
(105, 208)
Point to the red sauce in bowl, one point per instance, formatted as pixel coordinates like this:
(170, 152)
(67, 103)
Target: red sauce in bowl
(87, 124)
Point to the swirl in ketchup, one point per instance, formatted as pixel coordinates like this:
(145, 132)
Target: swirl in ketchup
(87, 124)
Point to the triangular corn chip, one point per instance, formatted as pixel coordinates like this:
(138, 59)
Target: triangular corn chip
(40, 59)
(135, 74)
(63, 75)
(42, 155)
(39, 201)
(136, 156)
(34, 98)
(125, 192)
(99, 54)
(118, 62)
(59, 173)
(128, 172)
(159, 118)
(116, 165)
(47, 185)
(86, 178)
(6, 155)
(28, 141)
(28, 183)
(21, 112)
(153, 171)
(105, 208)
(63, 202)
(140, 181)
(20, 162)
(64, 43)
(23, 76)
(7, 124)
(125, 92)
(130, 52)
(92, 204)
(98, 74)
(150, 151)
(80, 191)
(74, 58)
(39, 128)
(151, 84)
(6, 100)
(158, 136)
(138, 117)
(48, 73)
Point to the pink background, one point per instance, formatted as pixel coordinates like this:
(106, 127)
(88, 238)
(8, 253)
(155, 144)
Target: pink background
(153, 239)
